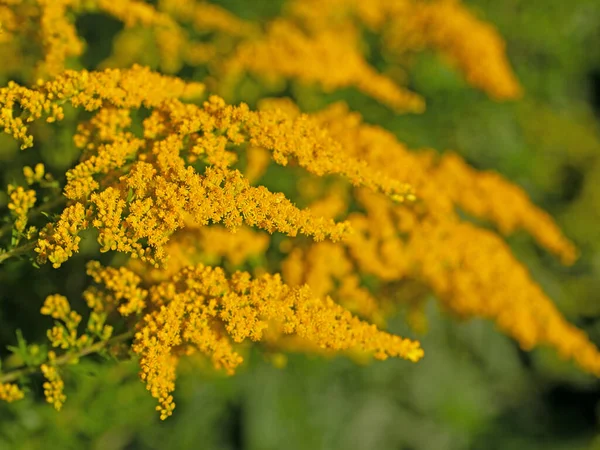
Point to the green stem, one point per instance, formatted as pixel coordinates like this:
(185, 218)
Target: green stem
(66, 358)
(25, 248)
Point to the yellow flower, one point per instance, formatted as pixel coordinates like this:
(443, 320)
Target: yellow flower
(199, 309)
(10, 392)
(473, 46)
(58, 35)
(123, 286)
(21, 201)
(329, 57)
(57, 242)
(89, 90)
(34, 175)
(54, 386)
(56, 306)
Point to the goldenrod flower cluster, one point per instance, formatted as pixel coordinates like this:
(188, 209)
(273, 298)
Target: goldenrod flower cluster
(34, 175)
(132, 88)
(123, 285)
(64, 333)
(53, 386)
(172, 180)
(58, 35)
(10, 392)
(21, 201)
(327, 269)
(407, 26)
(475, 47)
(199, 309)
(314, 41)
(148, 190)
(442, 183)
(470, 269)
(286, 51)
(58, 241)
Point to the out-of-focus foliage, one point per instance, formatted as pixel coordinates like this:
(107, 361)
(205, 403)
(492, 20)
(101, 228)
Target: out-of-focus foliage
(475, 388)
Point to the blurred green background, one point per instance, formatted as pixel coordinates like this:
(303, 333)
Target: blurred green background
(475, 389)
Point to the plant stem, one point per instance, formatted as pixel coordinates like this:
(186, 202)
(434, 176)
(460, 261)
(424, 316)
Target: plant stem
(64, 359)
(17, 251)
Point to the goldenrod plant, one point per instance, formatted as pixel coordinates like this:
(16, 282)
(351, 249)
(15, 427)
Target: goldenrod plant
(205, 222)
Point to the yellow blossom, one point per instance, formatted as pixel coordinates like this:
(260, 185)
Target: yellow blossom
(58, 35)
(10, 392)
(89, 90)
(489, 196)
(444, 183)
(21, 201)
(199, 303)
(123, 286)
(205, 16)
(471, 270)
(473, 46)
(329, 58)
(149, 199)
(57, 242)
(56, 306)
(54, 386)
(182, 190)
(96, 326)
(169, 37)
(34, 175)
(63, 335)
(329, 270)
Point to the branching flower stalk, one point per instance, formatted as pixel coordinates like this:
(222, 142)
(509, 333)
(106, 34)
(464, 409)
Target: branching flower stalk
(67, 358)
(177, 181)
(17, 251)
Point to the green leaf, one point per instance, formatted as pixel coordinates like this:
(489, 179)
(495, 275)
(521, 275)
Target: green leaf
(20, 349)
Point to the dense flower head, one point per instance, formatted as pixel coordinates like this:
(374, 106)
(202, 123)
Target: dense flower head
(408, 26)
(21, 201)
(131, 88)
(430, 242)
(58, 35)
(288, 47)
(53, 386)
(139, 191)
(58, 241)
(475, 274)
(124, 287)
(329, 270)
(473, 46)
(35, 174)
(143, 189)
(10, 392)
(443, 183)
(212, 254)
(200, 309)
(286, 51)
